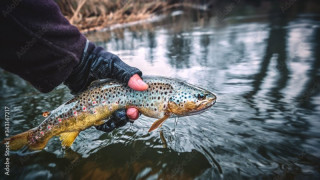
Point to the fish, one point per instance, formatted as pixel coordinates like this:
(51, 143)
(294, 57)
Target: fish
(164, 98)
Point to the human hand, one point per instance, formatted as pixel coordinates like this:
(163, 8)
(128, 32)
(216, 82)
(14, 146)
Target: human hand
(136, 83)
(95, 64)
(120, 117)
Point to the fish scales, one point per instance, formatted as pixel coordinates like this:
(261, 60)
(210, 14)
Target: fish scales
(163, 98)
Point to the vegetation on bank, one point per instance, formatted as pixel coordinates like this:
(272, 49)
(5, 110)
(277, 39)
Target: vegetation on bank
(90, 15)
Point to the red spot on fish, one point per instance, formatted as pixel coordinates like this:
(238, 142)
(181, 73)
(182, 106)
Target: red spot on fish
(59, 119)
(75, 113)
(84, 108)
(49, 127)
(41, 132)
(94, 102)
(37, 137)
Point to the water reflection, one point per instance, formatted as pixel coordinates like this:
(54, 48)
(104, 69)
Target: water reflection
(151, 44)
(276, 47)
(179, 51)
(139, 161)
(312, 86)
(204, 42)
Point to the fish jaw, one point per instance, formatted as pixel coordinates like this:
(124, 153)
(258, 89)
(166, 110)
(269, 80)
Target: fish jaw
(208, 102)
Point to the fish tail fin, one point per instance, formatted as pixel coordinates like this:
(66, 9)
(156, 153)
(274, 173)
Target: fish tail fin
(18, 141)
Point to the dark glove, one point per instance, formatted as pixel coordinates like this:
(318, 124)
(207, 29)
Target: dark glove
(118, 119)
(96, 63)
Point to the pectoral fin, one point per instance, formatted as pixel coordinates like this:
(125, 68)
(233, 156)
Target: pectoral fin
(158, 123)
(67, 138)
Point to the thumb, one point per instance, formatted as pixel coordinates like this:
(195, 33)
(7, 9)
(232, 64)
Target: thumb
(132, 113)
(136, 83)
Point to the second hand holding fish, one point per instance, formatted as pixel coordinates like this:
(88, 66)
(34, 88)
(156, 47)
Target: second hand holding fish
(119, 118)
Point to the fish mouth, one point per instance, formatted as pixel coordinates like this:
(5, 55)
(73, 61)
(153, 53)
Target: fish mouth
(207, 104)
(206, 107)
(203, 106)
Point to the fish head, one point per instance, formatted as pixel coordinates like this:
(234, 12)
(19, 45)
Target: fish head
(190, 100)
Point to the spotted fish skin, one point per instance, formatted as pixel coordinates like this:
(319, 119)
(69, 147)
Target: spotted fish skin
(164, 97)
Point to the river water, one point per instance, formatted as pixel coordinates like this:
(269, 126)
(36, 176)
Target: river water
(264, 69)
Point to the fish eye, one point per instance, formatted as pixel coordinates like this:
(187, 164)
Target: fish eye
(201, 96)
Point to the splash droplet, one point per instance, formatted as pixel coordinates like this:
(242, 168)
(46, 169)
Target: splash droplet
(174, 127)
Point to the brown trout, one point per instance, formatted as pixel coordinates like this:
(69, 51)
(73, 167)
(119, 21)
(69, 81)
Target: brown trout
(164, 98)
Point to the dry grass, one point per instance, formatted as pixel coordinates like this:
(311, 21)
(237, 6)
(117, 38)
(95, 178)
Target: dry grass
(90, 15)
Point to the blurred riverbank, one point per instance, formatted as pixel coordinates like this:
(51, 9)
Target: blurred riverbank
(89, 15)
(96, 15)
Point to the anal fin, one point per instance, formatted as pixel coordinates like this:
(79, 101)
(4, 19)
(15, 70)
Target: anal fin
(158, 123)
(67, 138)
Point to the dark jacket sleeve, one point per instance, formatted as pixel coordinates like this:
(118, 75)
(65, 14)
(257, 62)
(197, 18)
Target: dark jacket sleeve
(38, 43)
